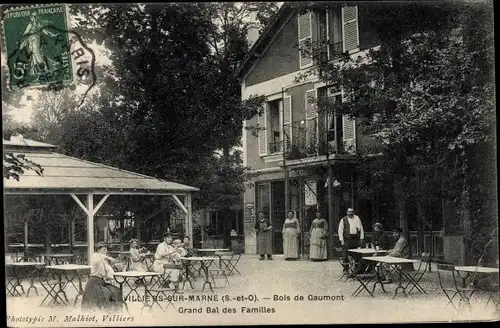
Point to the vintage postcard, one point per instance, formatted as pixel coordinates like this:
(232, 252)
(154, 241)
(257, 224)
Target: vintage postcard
(242, 163)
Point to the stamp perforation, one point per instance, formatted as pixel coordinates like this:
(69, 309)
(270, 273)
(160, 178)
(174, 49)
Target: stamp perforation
(4, 43)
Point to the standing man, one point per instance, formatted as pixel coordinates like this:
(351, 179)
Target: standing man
(264, 237)
(351, 234)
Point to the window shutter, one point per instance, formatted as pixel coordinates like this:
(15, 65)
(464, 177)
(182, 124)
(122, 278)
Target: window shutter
(262, 123)
(287, 122)
(311, 120)
(348, 132)
(350, 28)
(305, 36)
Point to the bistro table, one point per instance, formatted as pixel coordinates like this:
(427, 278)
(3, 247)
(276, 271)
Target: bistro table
(365, 252)
(58, 259)
(473, 269)
(395, 263)
(17, 271)
(124, 277)
(205, 263)
(70, 272)
(213, 252)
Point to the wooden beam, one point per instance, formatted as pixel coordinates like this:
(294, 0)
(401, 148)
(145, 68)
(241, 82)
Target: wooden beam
(179, 203)
(79, 202)
(101, 202)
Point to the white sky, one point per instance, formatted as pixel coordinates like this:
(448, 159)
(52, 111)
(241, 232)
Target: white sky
(23, 112)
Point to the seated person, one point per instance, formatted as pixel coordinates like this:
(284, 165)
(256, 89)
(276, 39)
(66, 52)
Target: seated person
(179, 246)
(99, 294)
(378, 237)
(137, 257)
(401, 249)
(186, 244)
(167, 254)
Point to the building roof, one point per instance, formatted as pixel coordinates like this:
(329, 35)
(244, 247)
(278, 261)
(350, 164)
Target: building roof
(64, 174)
(21, 142)
(259, 46)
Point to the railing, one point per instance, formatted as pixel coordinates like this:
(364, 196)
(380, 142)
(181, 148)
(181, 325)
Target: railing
(275, 147)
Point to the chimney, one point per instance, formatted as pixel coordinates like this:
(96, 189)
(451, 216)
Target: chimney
(253, 29)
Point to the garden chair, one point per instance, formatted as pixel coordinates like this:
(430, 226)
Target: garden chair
(229, 261)
(414, 277)
(54, 287)
(451, 288)
(161, 293)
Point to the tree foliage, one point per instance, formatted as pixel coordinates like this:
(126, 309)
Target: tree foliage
(426, 94)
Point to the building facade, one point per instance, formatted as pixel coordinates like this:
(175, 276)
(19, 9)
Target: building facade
(306, 159)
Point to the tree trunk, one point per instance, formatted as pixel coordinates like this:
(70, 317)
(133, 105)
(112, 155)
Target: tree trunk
(401, 198)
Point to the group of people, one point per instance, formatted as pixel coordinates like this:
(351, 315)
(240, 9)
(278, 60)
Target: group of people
(100, 293)
(290, 232)
(351, 235)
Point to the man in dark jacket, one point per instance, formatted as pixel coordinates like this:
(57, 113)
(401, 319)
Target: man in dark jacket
(401, 249)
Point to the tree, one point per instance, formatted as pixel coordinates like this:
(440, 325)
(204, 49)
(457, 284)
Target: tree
(426, 95)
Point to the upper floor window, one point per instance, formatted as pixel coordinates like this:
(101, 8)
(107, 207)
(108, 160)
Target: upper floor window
(275, 126)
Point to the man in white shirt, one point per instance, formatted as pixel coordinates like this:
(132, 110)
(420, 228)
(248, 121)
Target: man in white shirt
(351, 234)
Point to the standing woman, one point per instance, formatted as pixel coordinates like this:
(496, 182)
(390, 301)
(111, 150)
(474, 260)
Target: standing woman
(99, 294)
(291, 230)
(264, 237)
(318, 232)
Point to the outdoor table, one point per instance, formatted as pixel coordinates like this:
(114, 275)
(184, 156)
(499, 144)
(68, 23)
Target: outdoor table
(15, 281)
(58, 259)
(133, 275)
(213, 251)
(205, 264)
(366, 252)
(395, 263)
(69, 272)
(473, 269)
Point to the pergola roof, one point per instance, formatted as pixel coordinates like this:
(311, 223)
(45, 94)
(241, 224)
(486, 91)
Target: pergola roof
(64, 174)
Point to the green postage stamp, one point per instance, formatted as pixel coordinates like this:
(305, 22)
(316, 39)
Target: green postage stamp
(36, 43)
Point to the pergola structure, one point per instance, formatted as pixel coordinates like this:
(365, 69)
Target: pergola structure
(65, 175)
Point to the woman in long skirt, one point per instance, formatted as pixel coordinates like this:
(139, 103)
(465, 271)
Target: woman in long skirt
(318, 232)
(99, 294)
(291, 230)
(264, 237)
(137, 257)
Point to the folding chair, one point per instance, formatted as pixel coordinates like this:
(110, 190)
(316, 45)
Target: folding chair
(414, 277)
(364, 280)
(451, 292)
(345, 273)
(161, 293)
(49, 282)
(229, 261)
(223, 272)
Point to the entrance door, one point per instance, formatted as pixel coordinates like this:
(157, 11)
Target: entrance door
(278, 214)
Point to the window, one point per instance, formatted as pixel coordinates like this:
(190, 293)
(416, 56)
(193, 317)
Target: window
(323, 35)
(333, 122)
(330, 33)
(275, 126)
(216, 226)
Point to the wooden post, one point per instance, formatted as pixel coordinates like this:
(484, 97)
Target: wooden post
(189, 216)
(331, 221)
(26, 234)
(90, 226)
